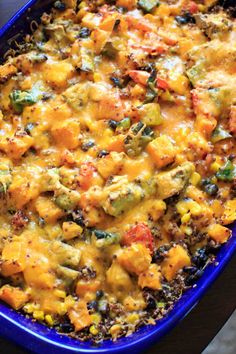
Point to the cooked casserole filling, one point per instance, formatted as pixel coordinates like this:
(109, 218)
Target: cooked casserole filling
(117, 161)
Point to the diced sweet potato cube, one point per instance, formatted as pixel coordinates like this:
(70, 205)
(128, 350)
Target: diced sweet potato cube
(199, 144)
(129, 4)
(6, 71)
(109, 21)
(229, 214)
(48, 210)
(116, 143)
(91, 20)
(162, 151)
(110, 164)
(79, 315)
(135, 302)
(219, 233)
(151, 278)
(13, 258)
(118, 279)
(22, 190)
(71, 230)
(15, 147)
(58, 74)
(14, 297)
(83, 287)
(135, 258)
(100, 38)
(66, 133)
(176, 259)
(110, 107)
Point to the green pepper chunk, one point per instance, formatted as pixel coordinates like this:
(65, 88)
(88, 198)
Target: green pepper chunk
(5, 180)
(151, 114)
(196, 73)
(124, 124)
(227, 173)
(64, 202)
(104, 238)
(148, 5)
(20, 99)
(86, 60)
(109, 51)
(220, 134)
(38, 58)
(138, 137)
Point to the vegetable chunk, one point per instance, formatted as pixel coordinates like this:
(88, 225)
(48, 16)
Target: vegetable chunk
(162, 151)
(177, 258)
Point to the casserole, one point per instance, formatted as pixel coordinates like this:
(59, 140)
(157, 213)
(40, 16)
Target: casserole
(143, 336)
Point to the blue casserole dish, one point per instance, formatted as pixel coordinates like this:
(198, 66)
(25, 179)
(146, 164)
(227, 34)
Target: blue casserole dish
(40, 339)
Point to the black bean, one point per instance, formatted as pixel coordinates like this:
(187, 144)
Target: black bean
(84, 32)
(200, 258)
(159, 254)
(116, 25)
(194, 277)
(99, 294)
(117, 82)
(59, 5)
(102, 153)
(66, 327)
(46, 96)
(87, 145)
(211, 189)
(93, 305)
(151, 303)
(184, 19)
(77, 217)
(29, 127)
(112, 124)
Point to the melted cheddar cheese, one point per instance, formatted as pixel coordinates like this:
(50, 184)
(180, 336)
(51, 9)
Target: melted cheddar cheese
(117, 161)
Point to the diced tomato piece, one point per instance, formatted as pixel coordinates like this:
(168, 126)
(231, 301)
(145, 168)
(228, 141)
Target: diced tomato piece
(139, 233)
(157, 48)
(139, 24)
(162, 83)
(139, 76)
(86, 174)
(193, 8)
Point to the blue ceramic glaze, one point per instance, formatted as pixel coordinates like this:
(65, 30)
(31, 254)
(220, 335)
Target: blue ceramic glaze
(42, 340)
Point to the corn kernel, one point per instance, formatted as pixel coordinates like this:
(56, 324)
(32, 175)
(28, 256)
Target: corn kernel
(97, 77)
(93, 330)
(38, 315)
(96, 318)
(30, 308)
(182, 207)
(132, 318)
(115, 329)
(195, 208)
(186, 230)
(82, 4)
(60, 293)
(62, 308)
(69, 301)
(215, 166)
(185, 218)
(195, 178)
(49, 320)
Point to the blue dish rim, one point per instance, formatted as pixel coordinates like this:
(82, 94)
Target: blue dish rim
(40, 339)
